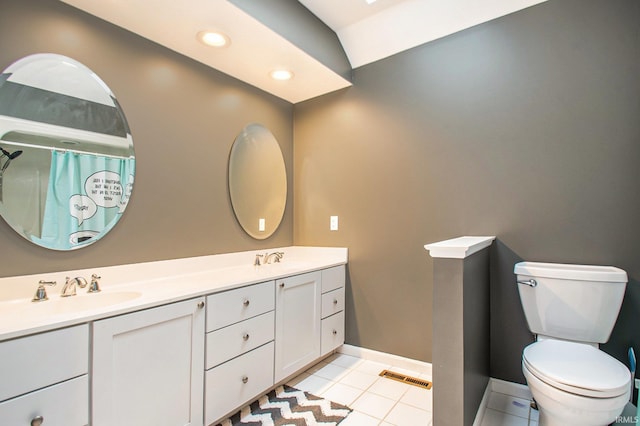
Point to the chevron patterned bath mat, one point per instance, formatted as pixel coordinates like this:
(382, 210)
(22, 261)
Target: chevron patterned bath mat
(289, 406)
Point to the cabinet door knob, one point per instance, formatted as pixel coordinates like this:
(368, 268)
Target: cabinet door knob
(245, 379)
(335, 301)
(335, 332)
(37, 421)
(245, 336)
(281, 285)
(200, 305)
(246, 303)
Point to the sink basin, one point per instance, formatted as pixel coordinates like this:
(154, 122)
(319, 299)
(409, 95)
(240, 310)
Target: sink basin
(65, 305)
(285, 266)
(97, 300)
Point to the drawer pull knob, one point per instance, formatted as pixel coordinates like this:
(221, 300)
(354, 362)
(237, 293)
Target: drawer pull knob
(245, 336)
(200, 305)
(37, 421)
(246, 303)
(245, 379)
(335, 332)
(335, 301)
(281, 285)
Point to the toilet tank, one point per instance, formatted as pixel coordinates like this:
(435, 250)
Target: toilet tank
(571, 302)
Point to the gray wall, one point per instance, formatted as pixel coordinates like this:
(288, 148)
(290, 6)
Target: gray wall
(460, 337)
(184, 118)
(525, 127)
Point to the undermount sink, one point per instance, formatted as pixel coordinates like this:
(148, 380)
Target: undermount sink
(65, 305)
(285, 266)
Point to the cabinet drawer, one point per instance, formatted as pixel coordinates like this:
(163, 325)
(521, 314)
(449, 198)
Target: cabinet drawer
(240, 304)
(236, 339)
(234, 383)
(333, 278)
(332, 302)
(64, 404)
(332, 333)
(33, 362)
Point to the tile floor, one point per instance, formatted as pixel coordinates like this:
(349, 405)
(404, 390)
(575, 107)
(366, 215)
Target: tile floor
(375, 400)
(507, 410)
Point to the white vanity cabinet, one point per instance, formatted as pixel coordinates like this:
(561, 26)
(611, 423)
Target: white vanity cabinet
(44, 377)
(196, 350)
(148, 367)
(239, 348)
(298, 307)
(333, 299)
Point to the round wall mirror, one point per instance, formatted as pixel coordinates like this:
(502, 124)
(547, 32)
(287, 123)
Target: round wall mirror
(257, 181)
(67, 163)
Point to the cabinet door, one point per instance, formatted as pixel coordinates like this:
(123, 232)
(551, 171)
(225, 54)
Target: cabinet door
(148, 367)
(297, 323)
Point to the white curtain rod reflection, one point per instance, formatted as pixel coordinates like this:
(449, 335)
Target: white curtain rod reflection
(77, 151)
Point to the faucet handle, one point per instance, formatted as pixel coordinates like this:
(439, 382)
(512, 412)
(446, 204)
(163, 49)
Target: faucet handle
(257, 261)
(94, 287)
(279, 255)
(41, 292)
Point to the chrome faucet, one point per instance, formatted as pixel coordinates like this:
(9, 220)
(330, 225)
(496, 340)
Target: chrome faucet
(275, 255)
(69, 288)
(264, 259)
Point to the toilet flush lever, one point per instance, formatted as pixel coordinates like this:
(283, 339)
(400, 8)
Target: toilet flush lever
(530, 283)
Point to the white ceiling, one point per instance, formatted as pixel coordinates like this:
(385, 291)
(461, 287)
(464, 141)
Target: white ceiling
(367, 32)
(372, 32)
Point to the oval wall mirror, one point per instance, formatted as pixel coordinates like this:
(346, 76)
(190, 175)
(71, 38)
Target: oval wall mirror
(257, 181)
(67, 163)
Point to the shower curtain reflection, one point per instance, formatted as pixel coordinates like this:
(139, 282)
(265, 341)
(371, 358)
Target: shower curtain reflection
(85, 197)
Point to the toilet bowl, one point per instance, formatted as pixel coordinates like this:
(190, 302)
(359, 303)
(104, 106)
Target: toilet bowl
(575, 383)
(571, 309)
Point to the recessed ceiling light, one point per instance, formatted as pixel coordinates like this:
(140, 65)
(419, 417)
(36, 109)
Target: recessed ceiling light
(281, 74)
(370, 1)
(214, 38)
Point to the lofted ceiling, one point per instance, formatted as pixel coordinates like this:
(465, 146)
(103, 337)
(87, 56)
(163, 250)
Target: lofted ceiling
(366, 32)
(370, 32)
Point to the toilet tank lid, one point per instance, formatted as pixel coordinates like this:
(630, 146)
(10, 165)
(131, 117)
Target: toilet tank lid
(571, 272)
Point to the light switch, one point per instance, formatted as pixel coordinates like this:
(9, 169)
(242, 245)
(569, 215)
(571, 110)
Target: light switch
(333, 223)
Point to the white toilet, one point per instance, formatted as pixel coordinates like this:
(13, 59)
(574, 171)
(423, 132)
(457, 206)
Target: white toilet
(571, 309)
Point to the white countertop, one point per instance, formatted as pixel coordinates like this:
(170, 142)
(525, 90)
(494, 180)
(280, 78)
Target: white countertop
(143, 285)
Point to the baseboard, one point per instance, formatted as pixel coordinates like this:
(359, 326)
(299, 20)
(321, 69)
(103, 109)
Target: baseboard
(509, 388)
(386, 358)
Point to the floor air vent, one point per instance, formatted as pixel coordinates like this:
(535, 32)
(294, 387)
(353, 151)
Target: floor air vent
(425, 384)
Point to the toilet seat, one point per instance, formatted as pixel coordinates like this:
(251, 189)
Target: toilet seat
(577, 368)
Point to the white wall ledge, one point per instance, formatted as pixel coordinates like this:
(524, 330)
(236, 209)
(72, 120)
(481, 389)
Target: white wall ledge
(458, 248)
